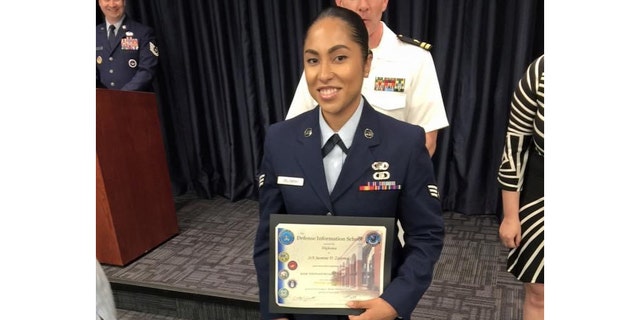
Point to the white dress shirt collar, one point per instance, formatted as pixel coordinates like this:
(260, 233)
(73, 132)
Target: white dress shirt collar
(348, 130)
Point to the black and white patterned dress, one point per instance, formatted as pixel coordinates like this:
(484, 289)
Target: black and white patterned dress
(522, 169)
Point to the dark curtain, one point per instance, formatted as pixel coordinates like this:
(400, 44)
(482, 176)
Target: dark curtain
(228, 69)
(481, 49)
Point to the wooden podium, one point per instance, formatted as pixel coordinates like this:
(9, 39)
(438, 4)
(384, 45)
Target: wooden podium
(134, 204)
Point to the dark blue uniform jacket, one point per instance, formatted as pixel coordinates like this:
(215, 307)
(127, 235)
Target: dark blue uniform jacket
(125, 67)
(289, 152)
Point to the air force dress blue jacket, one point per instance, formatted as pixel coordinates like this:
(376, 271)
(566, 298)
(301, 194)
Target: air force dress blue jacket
(131, 63)
(292, 148)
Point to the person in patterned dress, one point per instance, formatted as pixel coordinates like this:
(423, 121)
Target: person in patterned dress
(521, 178)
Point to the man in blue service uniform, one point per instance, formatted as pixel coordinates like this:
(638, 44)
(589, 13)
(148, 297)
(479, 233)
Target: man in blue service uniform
(126, 53)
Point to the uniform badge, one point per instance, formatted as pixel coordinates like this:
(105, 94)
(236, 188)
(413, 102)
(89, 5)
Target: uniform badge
(308, 132)
(389, 84)
(99, 59)
(368, 133)
(290, 181)
(380, 186)
(154, 49)
(381, 168)
(129, 42)
(380, 165)
(133, 63)
(433, 191)
(381, 175)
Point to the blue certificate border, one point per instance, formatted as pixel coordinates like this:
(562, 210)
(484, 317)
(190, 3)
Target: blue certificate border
(276, 219)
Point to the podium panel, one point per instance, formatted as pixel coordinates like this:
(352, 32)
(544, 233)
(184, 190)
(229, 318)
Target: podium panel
(134, 204)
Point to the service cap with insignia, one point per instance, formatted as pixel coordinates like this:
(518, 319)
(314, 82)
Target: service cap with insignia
(415, 42)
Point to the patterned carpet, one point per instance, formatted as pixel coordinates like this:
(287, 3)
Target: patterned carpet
(212, 255)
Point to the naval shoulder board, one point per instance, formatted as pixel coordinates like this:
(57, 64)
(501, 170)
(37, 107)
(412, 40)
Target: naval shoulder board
(415, 42)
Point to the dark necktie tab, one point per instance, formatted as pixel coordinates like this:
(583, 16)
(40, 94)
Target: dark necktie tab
(332, 142)
(112, 36)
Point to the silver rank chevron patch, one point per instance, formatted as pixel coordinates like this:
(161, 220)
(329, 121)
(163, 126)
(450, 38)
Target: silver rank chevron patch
(260, 180)
(433, 191)
(154, 49)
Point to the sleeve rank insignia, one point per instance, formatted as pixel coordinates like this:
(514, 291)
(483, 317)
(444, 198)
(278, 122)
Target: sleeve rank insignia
(433, 191)
(415, 42)
(154, 49)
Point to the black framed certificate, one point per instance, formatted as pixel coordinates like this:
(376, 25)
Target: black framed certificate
(319, 263)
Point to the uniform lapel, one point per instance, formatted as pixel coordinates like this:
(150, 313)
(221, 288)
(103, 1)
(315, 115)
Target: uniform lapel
(103, 40)
(360, 157)
(309, 156)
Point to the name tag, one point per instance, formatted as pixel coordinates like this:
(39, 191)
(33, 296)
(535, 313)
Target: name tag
(291, 181)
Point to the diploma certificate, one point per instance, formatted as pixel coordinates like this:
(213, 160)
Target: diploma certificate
(319, 263)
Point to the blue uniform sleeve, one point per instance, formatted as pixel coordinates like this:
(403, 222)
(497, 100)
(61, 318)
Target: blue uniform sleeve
(420, 214)
(271, 201)
(147, 63)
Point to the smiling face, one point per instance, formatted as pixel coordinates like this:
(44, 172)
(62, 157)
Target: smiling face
(334, 68)
(113, 10)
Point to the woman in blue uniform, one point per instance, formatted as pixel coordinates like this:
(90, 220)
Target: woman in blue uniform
(299, 176)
